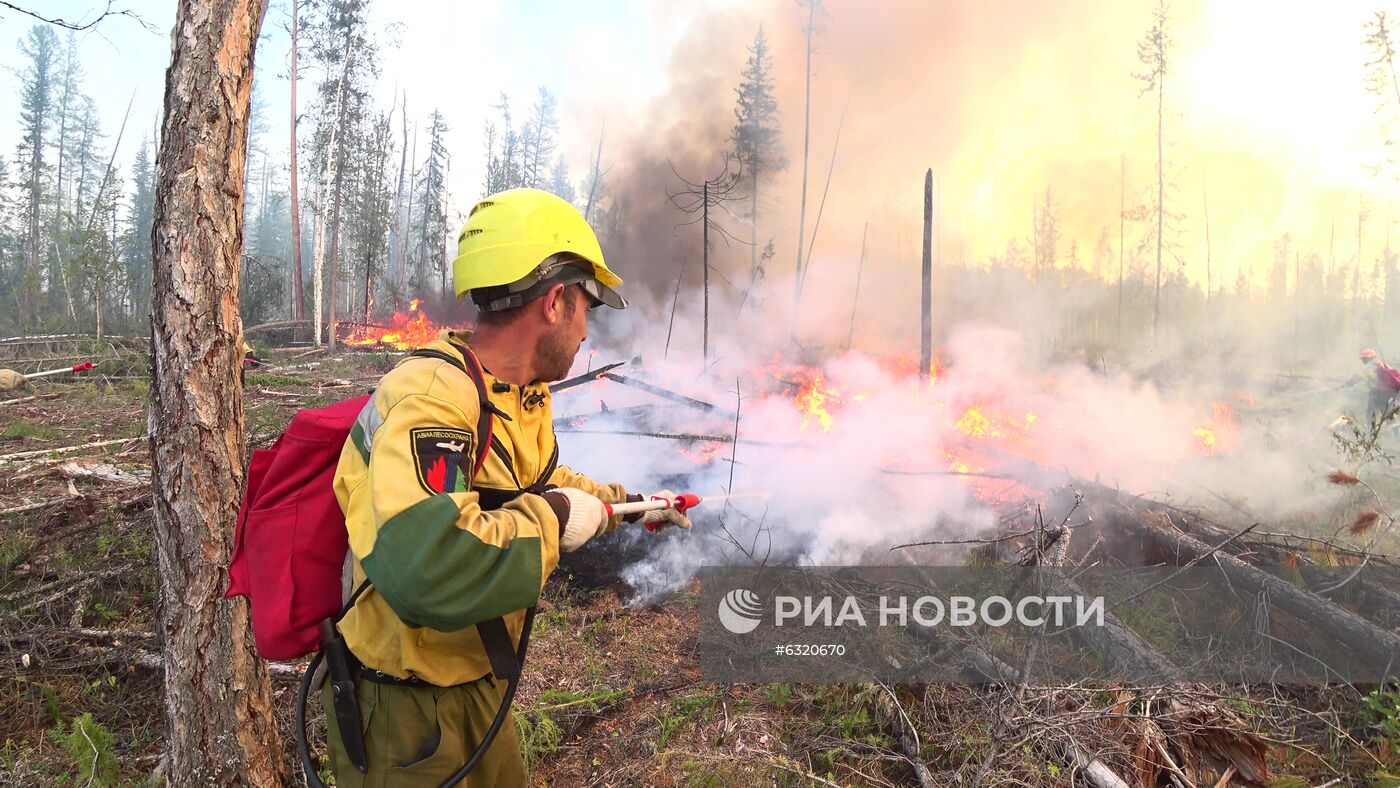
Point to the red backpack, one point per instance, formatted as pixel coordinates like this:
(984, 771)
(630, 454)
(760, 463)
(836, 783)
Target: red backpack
(290, 546)
(1389, 377)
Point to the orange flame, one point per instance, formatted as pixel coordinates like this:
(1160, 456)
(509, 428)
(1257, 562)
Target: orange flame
(812, 400)
(1218, 432)
(975, 425)
(701, 453)
(404, 332)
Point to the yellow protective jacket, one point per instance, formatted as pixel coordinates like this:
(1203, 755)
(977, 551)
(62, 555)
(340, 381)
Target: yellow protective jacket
(440, 562)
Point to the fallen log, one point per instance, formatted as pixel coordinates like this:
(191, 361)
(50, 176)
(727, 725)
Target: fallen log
(1094, 770)
(149, 660)
(277, 325)
(29, 507)
(1126, 652)
(587, 377)
(31, 398)
(1376, 646)
(24, 455)
(687, 437)
(105, 472)
(668, 394)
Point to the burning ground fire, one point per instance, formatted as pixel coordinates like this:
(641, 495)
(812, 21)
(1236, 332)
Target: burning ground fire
(857, 450)
(405, 331)
(973, 428)
(970, 432)
(1217, 434)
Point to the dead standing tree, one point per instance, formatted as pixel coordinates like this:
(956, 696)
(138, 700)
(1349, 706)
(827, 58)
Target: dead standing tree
(926, 285)
(813, 27)
(1152, 52)
(298, 298)
(217, 704)
(702, 199)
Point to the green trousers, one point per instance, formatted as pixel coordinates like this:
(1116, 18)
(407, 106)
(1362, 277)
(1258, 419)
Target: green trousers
(419, 736)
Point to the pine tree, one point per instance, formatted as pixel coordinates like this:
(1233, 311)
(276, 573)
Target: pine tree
(559, 180)
(756, 134)
(540, 141)
(368, 236)
(10, 270)
(38, 78)
(432, 222)
(504, 166)
(196, 407)
(340, 42)
(136, 244)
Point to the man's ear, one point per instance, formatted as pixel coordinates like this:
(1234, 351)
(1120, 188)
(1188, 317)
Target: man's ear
(552, 303)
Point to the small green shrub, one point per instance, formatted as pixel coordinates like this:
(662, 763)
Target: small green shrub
(90, 744)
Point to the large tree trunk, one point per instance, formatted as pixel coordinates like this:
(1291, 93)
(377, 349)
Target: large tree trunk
(218, 709)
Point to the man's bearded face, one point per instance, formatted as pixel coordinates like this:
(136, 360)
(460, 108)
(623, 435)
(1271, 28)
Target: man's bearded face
(556, 350)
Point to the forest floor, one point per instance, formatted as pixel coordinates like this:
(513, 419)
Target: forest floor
(612, 694)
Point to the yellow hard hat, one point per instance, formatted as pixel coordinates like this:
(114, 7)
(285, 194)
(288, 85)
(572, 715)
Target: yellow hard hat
(510, 234)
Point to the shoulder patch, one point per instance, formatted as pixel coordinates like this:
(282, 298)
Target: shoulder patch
(440, 454)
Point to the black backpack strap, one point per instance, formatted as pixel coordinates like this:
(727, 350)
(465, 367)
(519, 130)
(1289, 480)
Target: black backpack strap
(495, 638)
(542, 483)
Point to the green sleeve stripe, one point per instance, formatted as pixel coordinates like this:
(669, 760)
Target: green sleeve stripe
(357, 437)
(437, 575)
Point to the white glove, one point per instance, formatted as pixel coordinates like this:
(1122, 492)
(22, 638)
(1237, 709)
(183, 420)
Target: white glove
(587, 518)
(665, 517)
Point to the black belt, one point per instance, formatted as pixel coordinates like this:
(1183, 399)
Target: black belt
(495, 638)
(380, 677)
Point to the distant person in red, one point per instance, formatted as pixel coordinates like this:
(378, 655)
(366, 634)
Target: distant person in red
(1385, 384)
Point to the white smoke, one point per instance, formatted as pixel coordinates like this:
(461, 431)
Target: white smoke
(847, 494)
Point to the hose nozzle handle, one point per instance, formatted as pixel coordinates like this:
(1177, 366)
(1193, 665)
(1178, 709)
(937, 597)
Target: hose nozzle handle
(680, 503)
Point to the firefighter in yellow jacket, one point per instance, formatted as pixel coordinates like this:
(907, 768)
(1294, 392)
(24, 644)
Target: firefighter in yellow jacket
(443, 549)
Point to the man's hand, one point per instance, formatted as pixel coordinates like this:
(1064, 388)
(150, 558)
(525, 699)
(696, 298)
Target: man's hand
(10, 380)
(665, 517)
(581, 516)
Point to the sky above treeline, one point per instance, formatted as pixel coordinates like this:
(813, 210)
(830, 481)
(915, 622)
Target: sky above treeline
(1268, 121)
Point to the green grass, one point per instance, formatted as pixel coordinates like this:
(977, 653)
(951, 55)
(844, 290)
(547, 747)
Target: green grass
(683, 710)
(23, 429)
(274, 379)
(536, 728)
(14, 546)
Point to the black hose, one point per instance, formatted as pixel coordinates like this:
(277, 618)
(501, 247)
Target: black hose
(303, 696)
(501, 713)
(313, 779)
